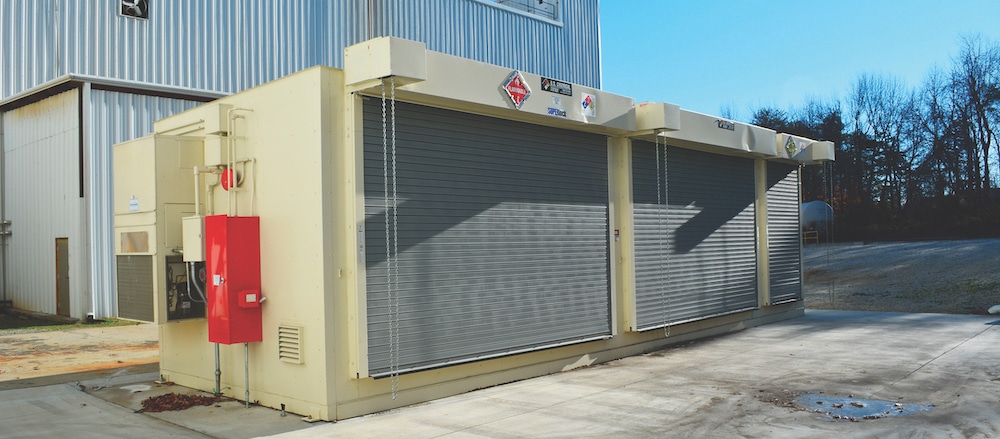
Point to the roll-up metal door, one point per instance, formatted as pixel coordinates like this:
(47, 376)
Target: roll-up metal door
(783, 233)
(695, 243)
(502, 238)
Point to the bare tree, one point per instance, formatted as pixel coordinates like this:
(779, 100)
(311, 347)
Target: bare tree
(976, 82)
(880, 108)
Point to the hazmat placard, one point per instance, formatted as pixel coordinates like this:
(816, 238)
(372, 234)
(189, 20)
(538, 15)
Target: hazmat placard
(517, 89)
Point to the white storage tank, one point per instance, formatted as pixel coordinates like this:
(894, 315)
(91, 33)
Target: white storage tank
(817, 216)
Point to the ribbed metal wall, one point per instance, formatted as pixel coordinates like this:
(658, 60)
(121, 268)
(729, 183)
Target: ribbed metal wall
(695, 244)
(41, 192)
(784, 233)
(488, 32)
(502, 235)
(228, 46)
(28, 33)
(220, 46)
(114, 117)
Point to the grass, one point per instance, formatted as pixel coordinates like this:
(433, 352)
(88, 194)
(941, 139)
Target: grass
(12, 323)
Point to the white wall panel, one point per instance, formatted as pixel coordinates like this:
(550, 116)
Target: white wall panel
(41, 191)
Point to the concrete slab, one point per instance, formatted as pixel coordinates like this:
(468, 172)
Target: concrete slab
(741, 385)
(738, 385)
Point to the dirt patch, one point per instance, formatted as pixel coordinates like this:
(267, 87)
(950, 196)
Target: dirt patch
(86, 348)
(952, 277)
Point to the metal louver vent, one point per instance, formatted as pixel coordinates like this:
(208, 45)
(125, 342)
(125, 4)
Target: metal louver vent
(290, 344)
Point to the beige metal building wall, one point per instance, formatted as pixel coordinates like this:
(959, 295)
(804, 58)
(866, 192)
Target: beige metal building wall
(44, 201)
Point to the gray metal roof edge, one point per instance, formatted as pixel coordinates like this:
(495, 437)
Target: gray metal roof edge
(111, 84)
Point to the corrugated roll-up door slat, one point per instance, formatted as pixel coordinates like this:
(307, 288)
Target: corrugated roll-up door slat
(502, 238)
(783, 232)
(695, 242)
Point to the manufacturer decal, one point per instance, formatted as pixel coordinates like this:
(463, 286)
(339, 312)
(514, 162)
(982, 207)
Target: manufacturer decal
(725, 125)
(554, 86)
(517, 89)
(553, 111)
(588, 104)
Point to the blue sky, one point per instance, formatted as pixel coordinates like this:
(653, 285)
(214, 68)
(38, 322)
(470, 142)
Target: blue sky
(745, 54)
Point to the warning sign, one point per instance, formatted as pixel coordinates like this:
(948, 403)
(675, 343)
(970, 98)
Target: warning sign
(791, 147)
(517, 89)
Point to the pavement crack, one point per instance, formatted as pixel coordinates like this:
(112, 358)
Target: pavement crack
(928, 362)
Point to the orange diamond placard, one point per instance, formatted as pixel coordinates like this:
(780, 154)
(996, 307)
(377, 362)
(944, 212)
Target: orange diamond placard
(517, 89)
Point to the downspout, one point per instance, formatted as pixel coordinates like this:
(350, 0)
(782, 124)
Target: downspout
(370, 19)
(88, 231)
(4, 224)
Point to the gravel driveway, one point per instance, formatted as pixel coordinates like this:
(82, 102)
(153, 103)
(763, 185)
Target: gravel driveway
(955, 277)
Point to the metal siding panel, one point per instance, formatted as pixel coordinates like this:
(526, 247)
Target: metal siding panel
(229, 46)
(42, 201)
(27, 44)
(115, 118)
(225, 46)
(503, 237)
(784, 233)
(695, 249)
(487, 32)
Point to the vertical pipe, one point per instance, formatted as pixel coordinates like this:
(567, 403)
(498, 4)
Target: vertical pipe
(246, 370)
(197, 191)
(3, 218)
(218, 373)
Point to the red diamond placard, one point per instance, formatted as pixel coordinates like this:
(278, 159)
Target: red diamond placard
(517, 89)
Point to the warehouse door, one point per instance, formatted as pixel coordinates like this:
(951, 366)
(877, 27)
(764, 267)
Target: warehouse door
(502, 238)
(695, 236)
(783, 233)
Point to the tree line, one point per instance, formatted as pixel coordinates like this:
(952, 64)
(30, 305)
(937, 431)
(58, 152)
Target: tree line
(912, 163)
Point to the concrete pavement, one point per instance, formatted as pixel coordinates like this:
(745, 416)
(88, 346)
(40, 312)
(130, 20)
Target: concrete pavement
(745, 384)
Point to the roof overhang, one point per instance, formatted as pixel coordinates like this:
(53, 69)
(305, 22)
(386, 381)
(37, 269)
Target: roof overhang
(68, 82)
(433, 78)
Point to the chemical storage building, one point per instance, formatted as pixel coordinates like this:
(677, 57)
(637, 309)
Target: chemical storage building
(79, 76)
(417, 225)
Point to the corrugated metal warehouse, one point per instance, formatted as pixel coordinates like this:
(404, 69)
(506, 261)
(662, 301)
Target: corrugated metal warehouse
(417, 224)
(78, 77)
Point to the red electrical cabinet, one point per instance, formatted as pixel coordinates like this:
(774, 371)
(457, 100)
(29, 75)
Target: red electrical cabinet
(232, 254)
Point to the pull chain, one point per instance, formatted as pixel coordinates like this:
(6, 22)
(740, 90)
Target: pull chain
(391, 203)
(661, 199)
(394, 266)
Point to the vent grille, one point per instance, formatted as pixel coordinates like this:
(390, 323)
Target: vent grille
(290, 344)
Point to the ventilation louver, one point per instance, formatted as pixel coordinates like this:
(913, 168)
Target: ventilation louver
(290, 344)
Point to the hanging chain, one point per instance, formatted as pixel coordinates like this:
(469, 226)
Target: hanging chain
(661, 206)
(394, 267)
(390, 279)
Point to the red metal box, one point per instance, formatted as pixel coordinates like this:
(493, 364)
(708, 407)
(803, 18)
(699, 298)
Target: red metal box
(232, 255)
